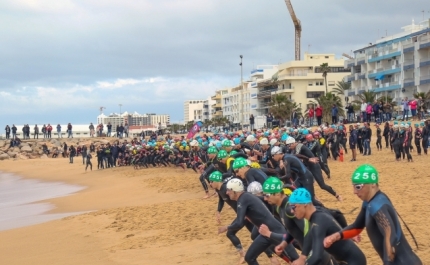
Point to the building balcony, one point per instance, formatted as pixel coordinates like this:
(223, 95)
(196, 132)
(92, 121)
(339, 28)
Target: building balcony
(387, 87)
(218, 113)
(384, 55)
(283, 90)
(351, 77)
(424, 62)
(425, 80)
(361, 76)
(257, 72)
(266, 93)
(408, 64)
(380, 72)
(315, 88)
(216, 97)
(352, 92)
(425, 42)
(350, 63)
(408, 82)
(205, 106)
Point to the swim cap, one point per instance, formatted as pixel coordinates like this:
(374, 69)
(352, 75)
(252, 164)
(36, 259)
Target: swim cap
(222, 154)
(235, 185)
(227, 143)
(300, 196)
(216, 176)
(233, 152)
(212, 150)
(255, 187)
(272, 185)
(240, 162)
(365, 174)
(290, 140)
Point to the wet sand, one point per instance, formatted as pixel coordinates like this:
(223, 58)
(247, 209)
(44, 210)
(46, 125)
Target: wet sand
(157, 216)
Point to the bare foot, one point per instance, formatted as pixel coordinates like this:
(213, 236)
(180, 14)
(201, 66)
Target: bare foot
(206, 196)
(242, 256)
(274, 261)
(339, 198)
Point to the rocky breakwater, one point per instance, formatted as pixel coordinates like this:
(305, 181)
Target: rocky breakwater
(33, 148)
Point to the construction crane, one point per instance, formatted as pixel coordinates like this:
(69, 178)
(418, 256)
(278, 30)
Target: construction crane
(101, 110)
(298, 28)
(347, 56)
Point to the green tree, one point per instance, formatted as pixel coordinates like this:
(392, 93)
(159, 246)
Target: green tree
(425, 97)
(324, 70)
(219, 121)
(366, 96)
(326, 102)
(281, 107)
(341, 87)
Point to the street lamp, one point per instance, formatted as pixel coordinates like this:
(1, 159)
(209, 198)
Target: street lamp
(241, 89)
(120, 105)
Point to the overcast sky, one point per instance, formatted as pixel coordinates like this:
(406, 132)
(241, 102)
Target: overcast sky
(60, 60)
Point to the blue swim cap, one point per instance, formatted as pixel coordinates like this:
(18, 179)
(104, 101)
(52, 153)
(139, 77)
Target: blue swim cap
(409, 123)
(205, 143)
(284, 137)
(199, 140)
(300, 196)
(396, 122)
(236, 141)
(219, 145)
(340, 127)
(305, 131)
(422, 123)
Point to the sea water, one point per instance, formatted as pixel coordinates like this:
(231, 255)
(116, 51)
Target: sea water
(20, 200)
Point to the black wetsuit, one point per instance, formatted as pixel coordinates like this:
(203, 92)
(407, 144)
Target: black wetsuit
(254, 174)
(321, 224)
(251, 207)
(379, 216)
(304, 178)
(417, 139)
(378, 138)
(315, 148)
(314, 168)
(204, 177)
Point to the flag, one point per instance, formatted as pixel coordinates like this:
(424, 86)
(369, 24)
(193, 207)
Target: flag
(195, 129)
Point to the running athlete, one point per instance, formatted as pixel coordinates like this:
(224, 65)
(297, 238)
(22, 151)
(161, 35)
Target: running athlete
(379, 218)
(302, 152)
(220, 186)
(315, 147)
(243, 170)
(208, 168)
(321, 225)
(251, 208)
(290, 165)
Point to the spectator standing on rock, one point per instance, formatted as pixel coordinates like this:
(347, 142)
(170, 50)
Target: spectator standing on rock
(91, 127)
(14, 129)
(49, 130)
(126, 129)
(72, 153)
(334, 113)
(319, 113)
(100, 129)
(109, 130)
(7, 129)
(59, 131)
(36, 132)
(405, 105)
(69, 130)
(92, 148)
(120, 131)
(115, 153)
(44, 130)
(251, 122)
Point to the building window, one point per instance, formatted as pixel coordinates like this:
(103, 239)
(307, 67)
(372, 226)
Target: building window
(315, 94)
(326, 57)
(310, 83)
(331, 83)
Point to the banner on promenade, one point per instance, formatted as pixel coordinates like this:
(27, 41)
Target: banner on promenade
(195, 129)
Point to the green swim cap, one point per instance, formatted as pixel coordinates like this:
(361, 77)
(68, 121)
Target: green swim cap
(272, 185)
(233, 152)
(222, 154)
(212, 150)
(227, 143)
(240, 162)
(216, 176)
(365, 174)
(300, 196)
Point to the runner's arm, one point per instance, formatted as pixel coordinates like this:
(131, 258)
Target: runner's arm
(388, 230)
(239, 222)
(355, 228)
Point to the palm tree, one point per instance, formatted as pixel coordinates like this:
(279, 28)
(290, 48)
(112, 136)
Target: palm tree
(324, 70)
(326, 102)
(281, 107)
(366, 96)
(341, 87)
(219, 121)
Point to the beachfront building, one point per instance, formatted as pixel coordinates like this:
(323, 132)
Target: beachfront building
(207, 109)
(396, 66)
(216, 106)
(302, 81)
(193, 110)
(260, 87)
(133, 119)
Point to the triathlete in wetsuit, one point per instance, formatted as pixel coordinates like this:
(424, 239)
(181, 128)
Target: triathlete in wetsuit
(302, 152)
(291, 164)
(379, 218)
(208, 169)
(315, 147)
(321, 225)
(251, 208)
(220, 186)
(246, 173)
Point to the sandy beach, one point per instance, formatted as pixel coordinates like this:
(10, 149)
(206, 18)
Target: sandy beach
(157, 216)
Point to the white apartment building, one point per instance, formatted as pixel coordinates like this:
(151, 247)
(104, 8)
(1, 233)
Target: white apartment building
(133, 119)
(208, 109)
(193, 110)
(397, 66)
